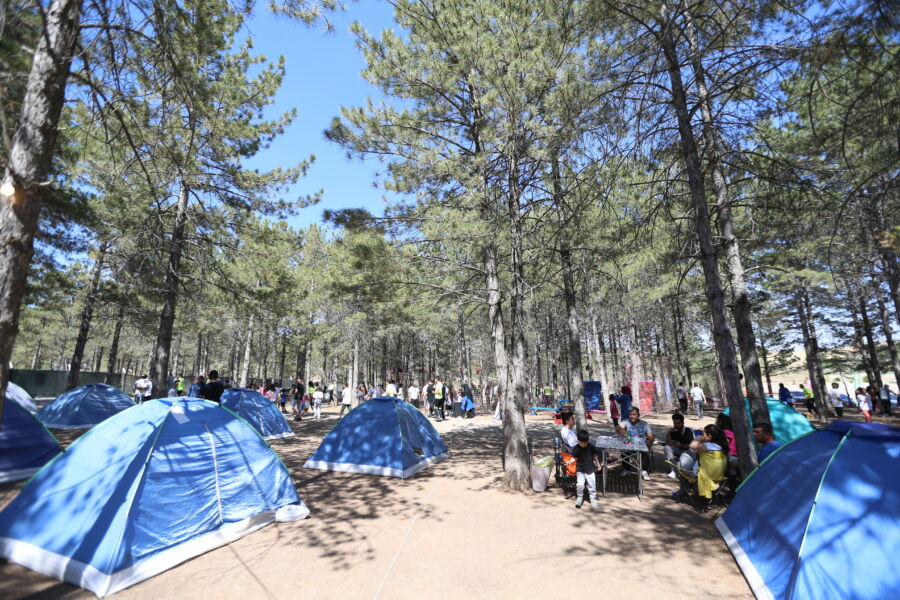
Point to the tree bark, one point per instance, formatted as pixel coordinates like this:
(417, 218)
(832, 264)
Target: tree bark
(245, 364)
(870, 339)
(159, 366)
(722, 339)
(740, 301)
(811, 346)
(575, 379)
(29, 164)
(87, 315)
(888, 336)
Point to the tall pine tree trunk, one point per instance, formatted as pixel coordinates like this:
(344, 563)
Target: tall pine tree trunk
(248, 346)
(740, 301)
(159, 365)
(87, 315)
(888, 336)
(576, 386)
(721, 334)
(29, 164)
(811, 346)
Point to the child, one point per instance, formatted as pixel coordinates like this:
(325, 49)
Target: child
(614, 410)
(284, 398)
(587, 456)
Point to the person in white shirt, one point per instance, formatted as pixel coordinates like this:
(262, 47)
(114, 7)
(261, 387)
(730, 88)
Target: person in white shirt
(699, 399)
(390, 389)
(413, 392)
(836, 401)
(346, 400)
(567, 433)
(143, 389)
(317, 398)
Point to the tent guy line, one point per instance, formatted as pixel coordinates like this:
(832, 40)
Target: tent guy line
(409, 530)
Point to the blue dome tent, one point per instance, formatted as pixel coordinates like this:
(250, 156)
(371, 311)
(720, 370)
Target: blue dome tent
(25, 445)
(144, 491)
(257, 410)
(820, 518)
(21, 396)
(84, 407)
(384, 436)
(787, 423)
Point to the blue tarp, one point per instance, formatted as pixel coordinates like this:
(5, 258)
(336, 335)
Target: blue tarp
(144, 491)
(84, 407)
(257, 410)
(384, 436)
(787, 423)
(21, 396)
(25, 445)
(820, 518)
(593, 395)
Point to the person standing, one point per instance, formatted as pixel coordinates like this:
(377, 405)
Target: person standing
(864, 403)
(810, 401)
(784, 395)
(699, 399)
(318, 396)
(624, 399)
(413, 391)
(179, 384)
(346, 400)
(194, 390)
(213, 388)
(681, 393)
(143, 388)
(835, 398)
(429, 397)
(587, 460)
(440, 393)
(884, 399)
(390, 389)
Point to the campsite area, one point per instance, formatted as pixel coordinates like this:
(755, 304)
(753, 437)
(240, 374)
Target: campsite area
(450, 531)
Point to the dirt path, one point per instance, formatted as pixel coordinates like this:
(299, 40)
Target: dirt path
(448, 532)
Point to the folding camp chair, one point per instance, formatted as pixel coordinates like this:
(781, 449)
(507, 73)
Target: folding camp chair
(702, 489)
(565, 474)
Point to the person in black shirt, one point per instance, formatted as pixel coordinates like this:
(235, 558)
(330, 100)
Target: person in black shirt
(586, 456)
(678, 441)
(213, 388)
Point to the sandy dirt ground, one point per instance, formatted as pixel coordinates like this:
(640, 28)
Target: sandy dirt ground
(451, 531)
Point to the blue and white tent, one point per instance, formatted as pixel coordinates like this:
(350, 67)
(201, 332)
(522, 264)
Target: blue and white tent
(384, 436)
(820, 517)
(145, 490)
(257, 410)
(84, 407)
(21, 396)
(25, 445)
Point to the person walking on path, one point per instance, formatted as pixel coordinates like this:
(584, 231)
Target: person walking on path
(346, 400)
(699, 399)
(884, 399)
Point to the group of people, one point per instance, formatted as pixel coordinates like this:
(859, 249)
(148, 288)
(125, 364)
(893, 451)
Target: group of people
(683, 447)
(210, 387)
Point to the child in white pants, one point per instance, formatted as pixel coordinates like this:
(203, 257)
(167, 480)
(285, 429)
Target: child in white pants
(587, 457)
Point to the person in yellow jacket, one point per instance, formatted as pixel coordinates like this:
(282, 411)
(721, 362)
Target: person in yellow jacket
(440, 397)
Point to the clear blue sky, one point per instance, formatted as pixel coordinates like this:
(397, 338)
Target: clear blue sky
(323, 74)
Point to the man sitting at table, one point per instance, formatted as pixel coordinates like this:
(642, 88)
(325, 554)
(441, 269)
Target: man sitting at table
(678, 441)
(638, 429)
(567, 432)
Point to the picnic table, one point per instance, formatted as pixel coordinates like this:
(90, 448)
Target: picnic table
(630, 453)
